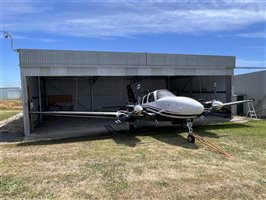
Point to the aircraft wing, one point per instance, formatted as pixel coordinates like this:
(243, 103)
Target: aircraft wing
(78, 114)
(219, 105)
(237, 102)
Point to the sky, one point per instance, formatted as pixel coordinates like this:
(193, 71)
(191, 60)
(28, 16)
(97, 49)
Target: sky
(208, 27)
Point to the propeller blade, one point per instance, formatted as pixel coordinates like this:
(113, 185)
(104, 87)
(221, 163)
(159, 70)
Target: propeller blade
(124, 117)
(215, 90)
(207, 112)
(138, 94)
(130, 95)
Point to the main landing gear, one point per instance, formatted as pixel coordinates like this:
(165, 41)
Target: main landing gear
(190, 137)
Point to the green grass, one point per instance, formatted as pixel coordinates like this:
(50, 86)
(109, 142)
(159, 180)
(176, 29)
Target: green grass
(147, 165)
(5, 114)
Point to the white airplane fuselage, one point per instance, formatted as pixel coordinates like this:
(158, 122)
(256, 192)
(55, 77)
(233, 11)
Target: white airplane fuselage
(170, 106)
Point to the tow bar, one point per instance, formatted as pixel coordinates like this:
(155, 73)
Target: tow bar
(212, 146)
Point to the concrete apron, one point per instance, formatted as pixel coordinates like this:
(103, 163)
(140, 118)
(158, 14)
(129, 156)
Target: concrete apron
(69, 127)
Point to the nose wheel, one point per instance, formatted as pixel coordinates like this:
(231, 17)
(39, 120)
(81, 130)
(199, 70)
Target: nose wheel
(190, 137)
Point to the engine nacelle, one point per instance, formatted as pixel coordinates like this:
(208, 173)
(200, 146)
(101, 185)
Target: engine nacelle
(217, 105)
(137, 110)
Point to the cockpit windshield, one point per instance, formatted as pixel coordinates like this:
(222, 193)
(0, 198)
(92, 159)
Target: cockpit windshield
(164, 93)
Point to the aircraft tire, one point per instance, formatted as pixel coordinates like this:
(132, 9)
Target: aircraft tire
(191, 138)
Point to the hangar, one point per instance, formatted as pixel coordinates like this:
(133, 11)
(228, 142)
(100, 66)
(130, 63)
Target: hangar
(96, 81)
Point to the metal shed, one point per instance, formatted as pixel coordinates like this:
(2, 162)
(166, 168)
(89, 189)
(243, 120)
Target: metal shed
(89, 80)
(10, 93)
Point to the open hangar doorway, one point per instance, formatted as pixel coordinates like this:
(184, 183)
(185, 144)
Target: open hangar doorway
(204, 88)
(81, 94)
(106, 94)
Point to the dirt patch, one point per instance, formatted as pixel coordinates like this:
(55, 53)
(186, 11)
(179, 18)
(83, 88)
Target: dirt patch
(241, 119)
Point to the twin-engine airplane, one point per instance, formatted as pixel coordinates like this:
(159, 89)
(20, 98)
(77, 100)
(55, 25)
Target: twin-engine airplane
(159, 105)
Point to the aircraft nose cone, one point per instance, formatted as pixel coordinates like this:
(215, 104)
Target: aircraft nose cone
(198, 107)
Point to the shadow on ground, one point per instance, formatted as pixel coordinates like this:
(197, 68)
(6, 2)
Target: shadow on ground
(169, 135)
(206, 130)
(12, 131)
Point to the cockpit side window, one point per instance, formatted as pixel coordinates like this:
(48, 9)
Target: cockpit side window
(144, 100)
(151, 97)
(164, 93)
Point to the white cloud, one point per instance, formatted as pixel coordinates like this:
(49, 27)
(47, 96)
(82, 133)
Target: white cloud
(16, 8)
(240, 62)
(40, 39)
(253, 35)
(257, 47)
(129, 19)
(245, 35)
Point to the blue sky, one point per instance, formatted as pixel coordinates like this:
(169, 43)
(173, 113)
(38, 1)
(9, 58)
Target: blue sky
(222, 27)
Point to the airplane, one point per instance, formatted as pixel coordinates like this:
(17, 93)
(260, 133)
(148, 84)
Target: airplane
(159, 105)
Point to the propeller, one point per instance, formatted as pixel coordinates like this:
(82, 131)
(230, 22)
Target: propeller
(216, 105)
(137, 109)
(213, 105)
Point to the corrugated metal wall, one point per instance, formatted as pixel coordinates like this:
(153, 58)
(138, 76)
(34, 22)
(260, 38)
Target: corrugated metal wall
(109, 93)
(10, 93)
(85, 63)
(52, 58)
(252, 85)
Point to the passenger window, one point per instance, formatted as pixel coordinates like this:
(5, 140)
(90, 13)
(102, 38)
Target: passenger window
(144, 100)
(151, 97)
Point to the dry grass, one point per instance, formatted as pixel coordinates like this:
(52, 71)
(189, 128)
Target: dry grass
(8, 108)
(10, 105)
(157, 165)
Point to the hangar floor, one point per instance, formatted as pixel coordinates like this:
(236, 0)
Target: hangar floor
(66, 127)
